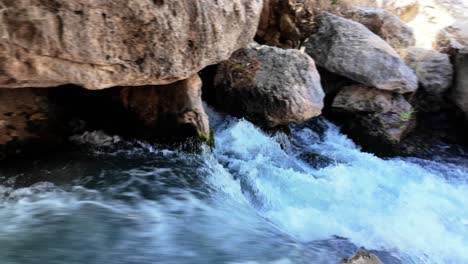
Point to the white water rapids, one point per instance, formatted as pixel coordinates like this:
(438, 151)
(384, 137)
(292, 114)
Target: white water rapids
(255, 199)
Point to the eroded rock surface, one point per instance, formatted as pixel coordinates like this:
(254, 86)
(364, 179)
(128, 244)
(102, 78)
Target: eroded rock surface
(169, 110)
(269, 86)
(287, 23)
(100, 44)
(348, 48)
(434, 69)
(25, 119)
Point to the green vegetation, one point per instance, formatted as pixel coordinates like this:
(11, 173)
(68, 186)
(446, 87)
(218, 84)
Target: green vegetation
(407, 116)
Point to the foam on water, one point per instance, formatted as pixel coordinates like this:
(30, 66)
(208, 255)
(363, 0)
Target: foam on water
(392, 205)
(251, 201)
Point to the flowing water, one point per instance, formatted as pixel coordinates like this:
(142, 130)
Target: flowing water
(310, 197)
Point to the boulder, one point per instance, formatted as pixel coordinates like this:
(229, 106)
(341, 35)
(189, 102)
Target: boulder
(26, 119)
(434, 69)
(386, 25)
(269, 86)
(287, 23)
(363, 258)
(100, 44)
(375, 119)
(348, 48)
(173, 110)
(460, 89)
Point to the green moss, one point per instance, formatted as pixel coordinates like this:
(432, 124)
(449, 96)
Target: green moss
(207, 139)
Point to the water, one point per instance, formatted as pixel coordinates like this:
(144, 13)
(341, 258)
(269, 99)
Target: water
(311, 197)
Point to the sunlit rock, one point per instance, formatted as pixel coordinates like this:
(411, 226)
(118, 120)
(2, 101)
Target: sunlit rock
(100, 43)
(347, 48)
(386, 25)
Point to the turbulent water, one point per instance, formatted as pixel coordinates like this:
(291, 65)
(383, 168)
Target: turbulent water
(308, 197)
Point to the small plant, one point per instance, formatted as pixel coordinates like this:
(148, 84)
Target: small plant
(407, 116)
(334, 2)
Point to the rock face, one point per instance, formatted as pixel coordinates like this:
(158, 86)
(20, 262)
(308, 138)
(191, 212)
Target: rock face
(173, 110)
(460, 90)
(372, 117)
(362, 258)
(100, 44)
(348, 48)
(25, 119)
(287, 23)
(434, 69)
(436, 16)
(386, 25)
(269, 86)
(452, 38)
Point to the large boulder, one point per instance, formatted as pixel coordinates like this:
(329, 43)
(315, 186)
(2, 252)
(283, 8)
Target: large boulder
(434, 69)
(100, 43)
(26, 119)
(460, 90)
(363, 258)
(348, 48)
(386, 25)
(269, 86)
(376, 119)
(169, 110)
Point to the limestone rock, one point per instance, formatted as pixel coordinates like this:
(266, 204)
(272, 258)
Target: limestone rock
(435, 16)
(407, 10)
(173, 110)
(269, 86)
(25, 120)
(386, 25)
(100, 43)
(452, 38)
(348, 48)
(363, 258)
(460, 90)
(373, 117)
(434, 69)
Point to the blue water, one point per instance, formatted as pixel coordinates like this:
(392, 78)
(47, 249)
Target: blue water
(255, 199)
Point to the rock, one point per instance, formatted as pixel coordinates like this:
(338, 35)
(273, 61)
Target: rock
(460, 89)
(26, 120)
(173, 110)
(386, 25)
(100, 44)
(434, 69)
(269, 86)
(434, 17)
(376, 119)
(452, 38)
(287, 23)
(407, 10)
(363, 258)
(348, 48)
